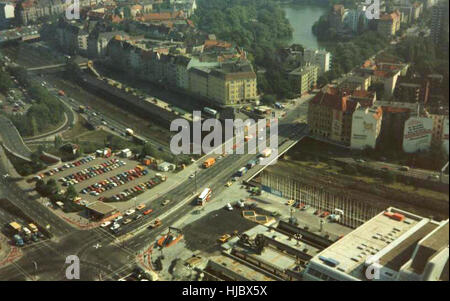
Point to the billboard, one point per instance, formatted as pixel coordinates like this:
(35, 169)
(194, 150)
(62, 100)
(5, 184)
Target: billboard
(365, 128)
(417, 134)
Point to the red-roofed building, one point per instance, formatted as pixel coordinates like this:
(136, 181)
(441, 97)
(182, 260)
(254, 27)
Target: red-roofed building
(330, 113)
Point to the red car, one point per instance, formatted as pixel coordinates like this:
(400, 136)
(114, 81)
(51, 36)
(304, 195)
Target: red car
(147, 212)
(325, 214)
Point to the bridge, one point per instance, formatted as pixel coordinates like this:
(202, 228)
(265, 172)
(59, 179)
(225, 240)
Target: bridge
(12, 141)
(283, 148)
(56, 67)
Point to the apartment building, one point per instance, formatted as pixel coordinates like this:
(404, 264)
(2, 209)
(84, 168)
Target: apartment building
(440, 23)
(72, 38)
(32, 10)
(412, 90)
(389, 23)
(232, 83)
(366, 127)
(320, 58)
(356, 82)
(304, 78)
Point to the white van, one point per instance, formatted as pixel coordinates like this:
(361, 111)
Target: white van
(26, 231)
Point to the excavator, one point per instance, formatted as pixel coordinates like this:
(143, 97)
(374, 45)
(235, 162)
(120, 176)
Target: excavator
(171, 238)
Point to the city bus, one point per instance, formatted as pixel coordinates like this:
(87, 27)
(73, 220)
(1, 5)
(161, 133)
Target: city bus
(204, 196)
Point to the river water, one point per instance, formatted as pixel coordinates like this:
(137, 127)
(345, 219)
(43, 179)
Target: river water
(302, 17)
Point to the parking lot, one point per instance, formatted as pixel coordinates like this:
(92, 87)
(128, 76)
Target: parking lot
(93, 181)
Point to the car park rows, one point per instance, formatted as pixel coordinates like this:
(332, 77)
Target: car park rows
(91, 172)
(120, 179)
(137, 190)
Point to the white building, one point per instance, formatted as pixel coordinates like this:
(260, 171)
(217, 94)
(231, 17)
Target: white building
(393, 246)
(366, 126)
(321, 58)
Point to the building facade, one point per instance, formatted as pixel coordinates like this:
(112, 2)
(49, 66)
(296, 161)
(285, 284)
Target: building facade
(389, 24)
(366, 127)
(303, 79)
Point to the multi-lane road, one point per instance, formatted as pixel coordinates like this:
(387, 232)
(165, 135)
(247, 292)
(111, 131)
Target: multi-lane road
(100, 254)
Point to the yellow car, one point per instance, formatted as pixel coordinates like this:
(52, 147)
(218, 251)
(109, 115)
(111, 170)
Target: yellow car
(229, 183)
(290, 202)
(224, 238)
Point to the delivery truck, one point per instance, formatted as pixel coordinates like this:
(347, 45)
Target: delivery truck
(209, 162)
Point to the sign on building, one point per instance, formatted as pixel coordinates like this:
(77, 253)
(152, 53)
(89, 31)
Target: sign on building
(417, 134)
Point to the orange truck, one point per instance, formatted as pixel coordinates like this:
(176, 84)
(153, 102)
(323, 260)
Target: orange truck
(209, 162)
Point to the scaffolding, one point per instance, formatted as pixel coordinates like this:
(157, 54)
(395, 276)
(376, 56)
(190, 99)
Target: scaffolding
(356, 211)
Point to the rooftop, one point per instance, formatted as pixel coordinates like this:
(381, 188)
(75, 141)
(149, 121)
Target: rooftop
(237, 268)
(101, 208)
(385, 239)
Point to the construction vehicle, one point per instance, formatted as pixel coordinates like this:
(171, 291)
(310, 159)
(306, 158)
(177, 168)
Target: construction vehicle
(224, 238)
(209, 162)
(15, 227)
(170, 238)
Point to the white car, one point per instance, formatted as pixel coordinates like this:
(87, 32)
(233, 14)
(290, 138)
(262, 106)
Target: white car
(130, 212)
(105, 224)
(120, 217)
(191, 176)
(229, 207)
(115, 226)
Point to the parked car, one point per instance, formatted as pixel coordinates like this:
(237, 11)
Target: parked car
(115, 227)
(130, 212)
(105, 224)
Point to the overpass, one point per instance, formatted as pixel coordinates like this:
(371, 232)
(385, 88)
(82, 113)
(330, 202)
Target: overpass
(55, 67)
(12, 141)
(283, 148)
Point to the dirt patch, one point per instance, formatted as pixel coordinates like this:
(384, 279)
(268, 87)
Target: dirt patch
(204, 233)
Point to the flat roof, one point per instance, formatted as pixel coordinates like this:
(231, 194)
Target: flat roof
(379, 233)
(238, 268)
(101, 207)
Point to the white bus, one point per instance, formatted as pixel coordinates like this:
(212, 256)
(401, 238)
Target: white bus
(204, 196)
(210, 111)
